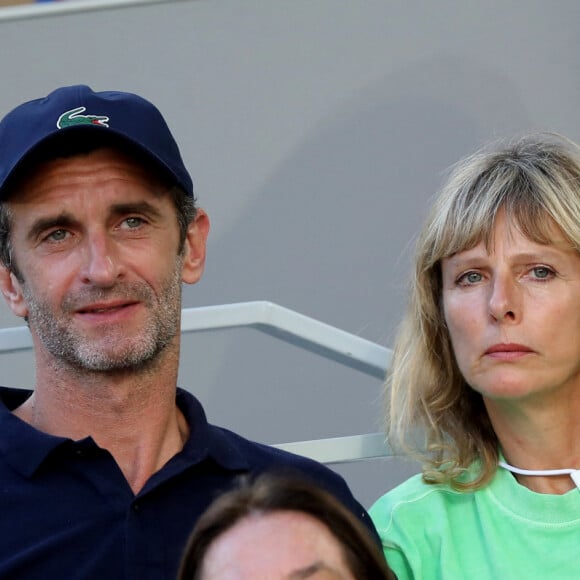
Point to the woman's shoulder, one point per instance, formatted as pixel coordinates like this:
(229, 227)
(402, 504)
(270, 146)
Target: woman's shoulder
(416, 495)
(410, 490)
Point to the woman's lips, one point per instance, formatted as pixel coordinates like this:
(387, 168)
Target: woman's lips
(508, 351)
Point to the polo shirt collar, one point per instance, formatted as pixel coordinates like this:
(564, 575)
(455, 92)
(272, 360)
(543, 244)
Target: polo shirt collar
(26, 448)
(207, 441)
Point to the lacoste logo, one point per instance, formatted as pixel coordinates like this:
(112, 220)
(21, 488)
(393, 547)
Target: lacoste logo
(74, 117)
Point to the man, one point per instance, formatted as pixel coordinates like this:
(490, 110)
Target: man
(106, 465)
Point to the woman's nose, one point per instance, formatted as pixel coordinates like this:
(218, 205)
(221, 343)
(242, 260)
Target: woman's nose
(503, 300)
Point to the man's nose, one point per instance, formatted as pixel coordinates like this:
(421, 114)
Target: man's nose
(102, 265)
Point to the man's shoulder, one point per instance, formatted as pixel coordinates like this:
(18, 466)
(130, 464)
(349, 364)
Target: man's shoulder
(261, 458)
(239, 451)
(12, 397)
(264, 457)
(243, 455)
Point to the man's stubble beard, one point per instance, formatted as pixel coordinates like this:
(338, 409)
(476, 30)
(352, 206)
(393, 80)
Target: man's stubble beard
(114, 350)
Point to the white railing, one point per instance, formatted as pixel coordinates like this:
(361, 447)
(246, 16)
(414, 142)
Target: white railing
(290, 326)
(20, 12)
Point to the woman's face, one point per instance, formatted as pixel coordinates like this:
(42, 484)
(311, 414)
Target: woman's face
(280, 545)
(513, 314)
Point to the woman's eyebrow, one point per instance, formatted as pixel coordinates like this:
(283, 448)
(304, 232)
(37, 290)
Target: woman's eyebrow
(312, 569)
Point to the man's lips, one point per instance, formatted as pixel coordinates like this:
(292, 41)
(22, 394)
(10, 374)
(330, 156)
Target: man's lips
(102, 308)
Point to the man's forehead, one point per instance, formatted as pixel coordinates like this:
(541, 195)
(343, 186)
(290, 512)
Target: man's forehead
(46, 173)
(76, 118)
(86, 173)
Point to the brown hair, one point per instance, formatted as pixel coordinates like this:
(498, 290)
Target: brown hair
(270, 493)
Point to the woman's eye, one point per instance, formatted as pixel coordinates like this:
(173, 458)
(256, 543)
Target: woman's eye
(470, 278)
(542, 272)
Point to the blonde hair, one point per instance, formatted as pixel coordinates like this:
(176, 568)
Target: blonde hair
(536, 181)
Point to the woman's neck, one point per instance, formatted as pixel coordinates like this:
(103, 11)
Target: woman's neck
(539, 436)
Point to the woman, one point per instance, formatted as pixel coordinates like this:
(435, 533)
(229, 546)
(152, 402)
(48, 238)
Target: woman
(281, 528)
(487, 368)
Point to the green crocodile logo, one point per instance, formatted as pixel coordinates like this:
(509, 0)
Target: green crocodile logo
(75, 117)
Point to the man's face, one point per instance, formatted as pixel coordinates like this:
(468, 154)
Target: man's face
(95, 240)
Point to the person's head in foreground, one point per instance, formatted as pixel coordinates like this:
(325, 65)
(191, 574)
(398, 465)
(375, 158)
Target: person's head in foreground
(280, 529)
(491, 339)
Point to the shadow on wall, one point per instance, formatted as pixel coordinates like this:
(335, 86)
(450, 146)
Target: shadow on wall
(330, 231)
(329, 236)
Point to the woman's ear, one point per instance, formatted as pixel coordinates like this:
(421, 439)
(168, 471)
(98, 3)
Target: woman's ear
(11, 289)
(194, 249)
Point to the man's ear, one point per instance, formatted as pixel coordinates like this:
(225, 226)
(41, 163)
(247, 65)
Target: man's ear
(194, 249)
(11, 289)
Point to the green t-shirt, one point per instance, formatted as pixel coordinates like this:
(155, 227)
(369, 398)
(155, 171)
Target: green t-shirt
(503, 531)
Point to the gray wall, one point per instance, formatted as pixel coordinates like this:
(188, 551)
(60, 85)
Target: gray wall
(317, 132)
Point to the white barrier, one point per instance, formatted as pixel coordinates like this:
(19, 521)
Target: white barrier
(24, 11)
(290, 326)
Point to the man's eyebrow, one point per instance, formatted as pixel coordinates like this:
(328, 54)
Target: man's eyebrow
(62, 220)
(65, 220)
(143, 207)
(319, 566)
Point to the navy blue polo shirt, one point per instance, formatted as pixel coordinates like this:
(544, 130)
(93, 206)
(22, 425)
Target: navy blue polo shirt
(66, 510)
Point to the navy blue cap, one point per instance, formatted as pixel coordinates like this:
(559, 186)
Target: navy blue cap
(69, 110)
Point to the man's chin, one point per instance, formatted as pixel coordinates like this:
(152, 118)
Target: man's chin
(113, 361)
